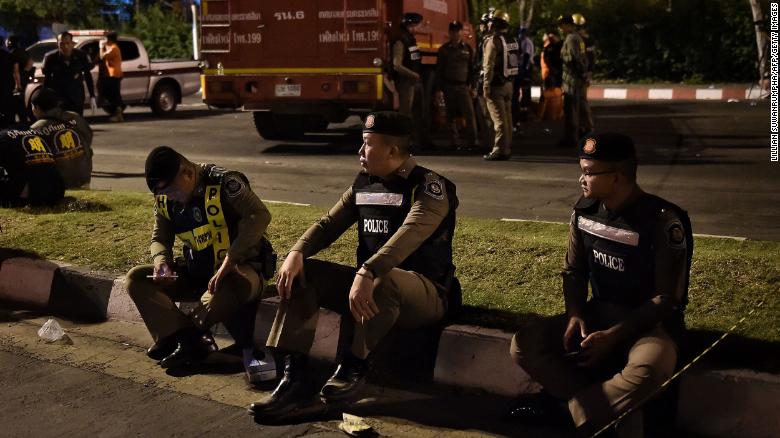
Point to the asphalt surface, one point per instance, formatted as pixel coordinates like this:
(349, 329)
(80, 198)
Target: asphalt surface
(712, 158)
(102, 384)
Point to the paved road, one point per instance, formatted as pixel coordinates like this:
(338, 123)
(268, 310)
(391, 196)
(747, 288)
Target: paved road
(711, 158)
(103, 385)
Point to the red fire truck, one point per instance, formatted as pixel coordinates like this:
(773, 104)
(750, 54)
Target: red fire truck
(301, 64)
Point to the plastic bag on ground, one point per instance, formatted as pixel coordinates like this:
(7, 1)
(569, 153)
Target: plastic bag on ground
(52, 331)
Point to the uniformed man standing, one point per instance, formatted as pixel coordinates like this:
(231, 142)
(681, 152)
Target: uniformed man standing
(405, 217)
(454, 76)
(70, 138)
(65, 71)
(28, 173)
(607, 354)
(484, 123)
(407, 70)
(586, 117)
(574, 77)
(500, 66)
(222, 225)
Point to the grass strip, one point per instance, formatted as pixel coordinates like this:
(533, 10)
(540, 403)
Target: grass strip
(510, 271)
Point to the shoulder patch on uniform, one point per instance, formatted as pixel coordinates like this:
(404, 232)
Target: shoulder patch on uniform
(675, 235)
(234, 187)
(434, 186)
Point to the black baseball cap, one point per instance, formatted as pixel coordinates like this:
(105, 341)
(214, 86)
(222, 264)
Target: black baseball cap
(388, 123)
(456, 25)
(162, 165)
(607, 146)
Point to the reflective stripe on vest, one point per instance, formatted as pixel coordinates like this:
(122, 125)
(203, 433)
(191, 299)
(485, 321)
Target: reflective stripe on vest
(510, 65)
(608, 232)
(162, 206)
(214, 233)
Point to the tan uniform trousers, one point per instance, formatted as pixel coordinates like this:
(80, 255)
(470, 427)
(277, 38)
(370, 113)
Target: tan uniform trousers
(156, 303)
(406, 91)
(405, 298)
(458, 100)
(597, 395)
(499, 105)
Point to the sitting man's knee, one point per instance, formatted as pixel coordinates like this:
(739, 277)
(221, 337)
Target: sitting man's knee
(386, 286)
(646, 376)
(136, 276)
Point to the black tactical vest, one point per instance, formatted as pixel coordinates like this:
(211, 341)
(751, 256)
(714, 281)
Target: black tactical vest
(382, 208)
(507, 59)
(206, 225)
(621, 250)
(412, 56)
(26, 158)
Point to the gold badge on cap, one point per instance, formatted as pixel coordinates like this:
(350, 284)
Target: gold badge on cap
(370, 121)
(590, 146)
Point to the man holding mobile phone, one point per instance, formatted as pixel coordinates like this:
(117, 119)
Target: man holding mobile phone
(606, 355)
(222, 225)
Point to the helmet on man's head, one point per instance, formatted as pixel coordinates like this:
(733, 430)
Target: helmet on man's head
(501, 16)
(578, 19)
(411, 18)
(485, 18)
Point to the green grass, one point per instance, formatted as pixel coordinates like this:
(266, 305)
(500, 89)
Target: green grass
(509, 270)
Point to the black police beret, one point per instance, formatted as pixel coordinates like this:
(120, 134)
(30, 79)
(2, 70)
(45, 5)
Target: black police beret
(456, 25)
(388, 123)
(162, 165)
(412, 18)
(608, 146)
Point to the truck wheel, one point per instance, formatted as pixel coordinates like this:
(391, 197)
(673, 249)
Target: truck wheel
(272, 126)
(164, 100)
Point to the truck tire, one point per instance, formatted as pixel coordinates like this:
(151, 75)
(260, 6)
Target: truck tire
(272, 126)
(164, 99)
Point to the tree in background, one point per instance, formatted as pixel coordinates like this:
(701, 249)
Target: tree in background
(652, 40)
(25, 16)
(164, 32)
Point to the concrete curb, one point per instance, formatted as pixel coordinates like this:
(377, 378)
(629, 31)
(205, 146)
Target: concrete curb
(715, 403)
(664, 92)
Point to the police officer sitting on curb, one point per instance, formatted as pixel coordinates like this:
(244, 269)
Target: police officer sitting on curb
(606, 355)
(222, 224)
(71, 138)
(28, 173)
(405, 215)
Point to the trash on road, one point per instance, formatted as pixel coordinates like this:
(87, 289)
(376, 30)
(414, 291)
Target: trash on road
(355, 426)
(52, 331)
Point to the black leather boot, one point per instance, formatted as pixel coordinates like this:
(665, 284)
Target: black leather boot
(193, 346)
(162, 348)
(347, 381)
(293, 390)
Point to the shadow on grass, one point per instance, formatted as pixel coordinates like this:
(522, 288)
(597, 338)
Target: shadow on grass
(69, 204)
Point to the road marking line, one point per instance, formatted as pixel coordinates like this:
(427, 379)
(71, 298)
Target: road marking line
(286, 203)
(714, 236)
(506, 219)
